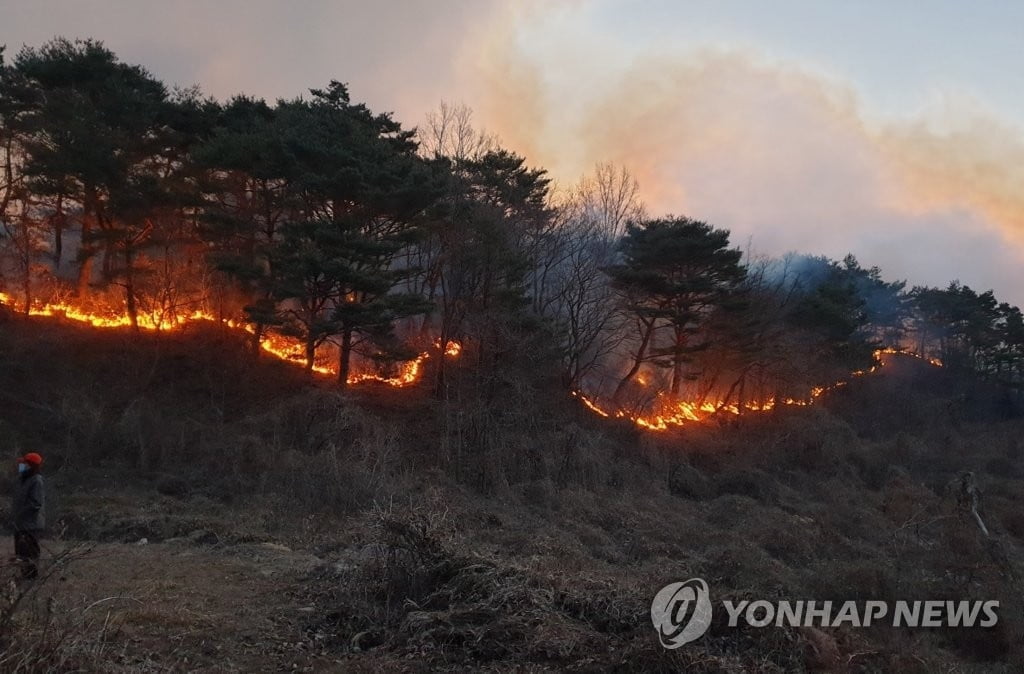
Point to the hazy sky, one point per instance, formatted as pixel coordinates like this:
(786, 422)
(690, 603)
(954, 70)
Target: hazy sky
(894, 130)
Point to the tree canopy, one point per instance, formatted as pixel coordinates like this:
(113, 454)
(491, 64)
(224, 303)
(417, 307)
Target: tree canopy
(366, 241)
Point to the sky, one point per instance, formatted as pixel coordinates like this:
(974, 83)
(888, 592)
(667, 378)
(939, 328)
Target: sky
(893, 130)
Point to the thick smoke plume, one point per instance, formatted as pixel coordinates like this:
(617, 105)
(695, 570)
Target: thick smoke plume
(786, 157)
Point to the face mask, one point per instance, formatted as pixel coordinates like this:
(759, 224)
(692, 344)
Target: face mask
(22, 468)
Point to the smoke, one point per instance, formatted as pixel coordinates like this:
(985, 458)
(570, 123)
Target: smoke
(977, 165)
(397, 56)
(785, 156)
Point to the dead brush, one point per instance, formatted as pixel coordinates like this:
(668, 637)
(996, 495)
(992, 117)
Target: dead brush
(411, 556)
(311, 422)
(316, 447)
(423, 593)
(40, 633)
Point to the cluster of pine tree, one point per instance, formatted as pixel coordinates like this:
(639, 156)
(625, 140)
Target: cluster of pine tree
(322, 220)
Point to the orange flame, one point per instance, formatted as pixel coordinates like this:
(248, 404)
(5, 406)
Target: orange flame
(671, 414)
(279, 346)
(452, 349)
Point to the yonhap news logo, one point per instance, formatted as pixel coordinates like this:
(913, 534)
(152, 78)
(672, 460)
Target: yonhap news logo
(681, 613)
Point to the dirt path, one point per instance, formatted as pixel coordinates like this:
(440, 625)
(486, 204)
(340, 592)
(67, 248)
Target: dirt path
(178, 606)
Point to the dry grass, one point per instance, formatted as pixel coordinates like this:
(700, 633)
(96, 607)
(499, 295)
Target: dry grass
(459, 534)
(41, 632)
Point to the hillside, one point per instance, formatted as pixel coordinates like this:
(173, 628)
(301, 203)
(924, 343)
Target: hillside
(212, 512)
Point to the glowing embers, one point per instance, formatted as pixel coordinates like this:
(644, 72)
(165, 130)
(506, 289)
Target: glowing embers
(284, 348)
(666, 414)
(110, 319)
(452, 349)
(663, 415)
(931, 361)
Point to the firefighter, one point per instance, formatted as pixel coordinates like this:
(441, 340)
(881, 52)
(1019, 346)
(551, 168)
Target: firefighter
(29, 503)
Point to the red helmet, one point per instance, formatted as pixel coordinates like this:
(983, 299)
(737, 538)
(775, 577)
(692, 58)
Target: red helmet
(33, 459)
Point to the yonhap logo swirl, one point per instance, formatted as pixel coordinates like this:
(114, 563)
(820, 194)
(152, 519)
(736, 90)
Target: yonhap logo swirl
(681, 612)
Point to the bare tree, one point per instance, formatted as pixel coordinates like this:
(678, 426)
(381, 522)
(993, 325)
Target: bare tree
(585, 301)
(609, 197)
(449, 132)
(579, 294)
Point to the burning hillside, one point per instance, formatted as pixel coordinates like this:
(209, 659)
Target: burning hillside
(284, 348)
(329, 234)
(667, 413)
(664, 414)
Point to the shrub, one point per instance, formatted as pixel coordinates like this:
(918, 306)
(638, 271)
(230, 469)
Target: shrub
(39, 633)
(687, 482)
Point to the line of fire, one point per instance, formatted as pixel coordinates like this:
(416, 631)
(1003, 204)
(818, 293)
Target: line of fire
(361, 249)
(664, 415)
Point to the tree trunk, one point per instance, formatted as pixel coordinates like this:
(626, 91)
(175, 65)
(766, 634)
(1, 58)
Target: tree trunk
(310, 351)
(441, 376)
(427, 326)
(677, 362)
(106, 267)
(58, 233)
(571, 374)
(23, 241)
(257, 338)
(345, 356)
(90, 217)
(26, 284)
(641, 352)
(129, 289)
(85, 255)
(738, 384)
(8, 192)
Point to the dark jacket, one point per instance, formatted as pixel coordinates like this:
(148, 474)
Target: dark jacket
(29, 503)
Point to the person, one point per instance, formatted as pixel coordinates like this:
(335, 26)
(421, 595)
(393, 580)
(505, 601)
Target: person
(28, 511)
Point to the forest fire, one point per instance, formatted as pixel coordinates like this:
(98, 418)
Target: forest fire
(109, 319)
(279, 346)
(665, 415)
(668, 414)
(931, 361)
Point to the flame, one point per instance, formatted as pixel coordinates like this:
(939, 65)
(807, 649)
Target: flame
(281, 347)
(452, 349)
(931, 361)
(669, 414)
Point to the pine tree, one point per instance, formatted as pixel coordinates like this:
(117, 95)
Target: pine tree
(674, 273)
(92, 126)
